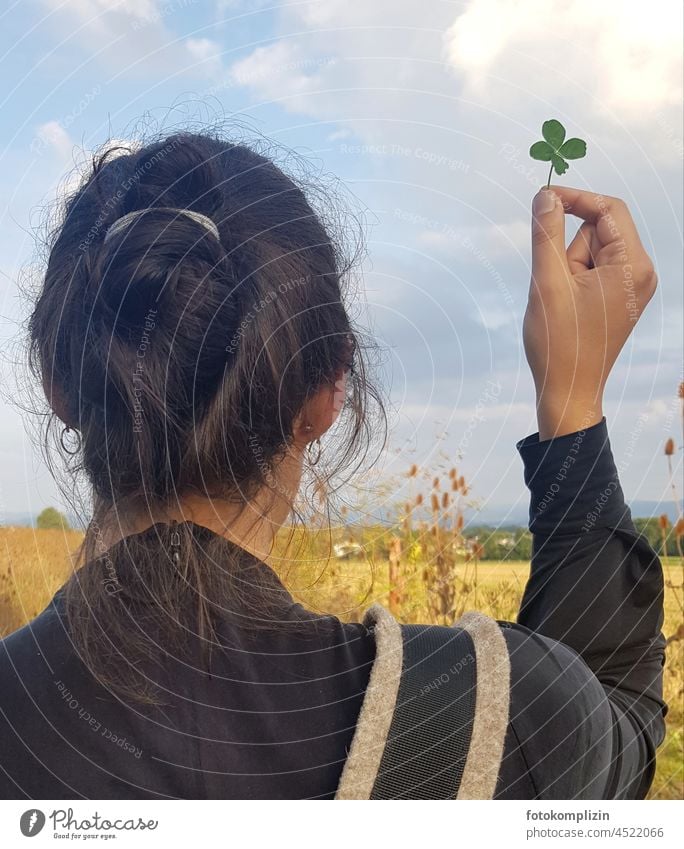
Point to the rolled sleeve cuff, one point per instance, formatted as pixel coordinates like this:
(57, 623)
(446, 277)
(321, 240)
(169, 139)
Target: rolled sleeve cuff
(573, 482)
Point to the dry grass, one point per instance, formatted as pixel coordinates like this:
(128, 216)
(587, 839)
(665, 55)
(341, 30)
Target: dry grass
(34, 564)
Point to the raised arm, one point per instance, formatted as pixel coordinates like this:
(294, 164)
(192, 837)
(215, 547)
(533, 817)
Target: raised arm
(595, 584)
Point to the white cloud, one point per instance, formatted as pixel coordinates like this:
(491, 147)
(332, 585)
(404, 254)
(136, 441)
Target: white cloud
(70, 161)
(493, 241)
(601, 62)
(339, 135)
(130, 37)
(66, 160)
(53, 135)
(658, 410)
(90, 11)
(626, 56)
(207, 53)
(267, 68)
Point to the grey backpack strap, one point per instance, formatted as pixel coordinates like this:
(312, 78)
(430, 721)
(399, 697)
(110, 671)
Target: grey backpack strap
(492, 706)
(435, 713)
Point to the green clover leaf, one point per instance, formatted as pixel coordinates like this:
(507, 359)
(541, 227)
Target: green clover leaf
(554, 133)
(555, 149)
(573, 149)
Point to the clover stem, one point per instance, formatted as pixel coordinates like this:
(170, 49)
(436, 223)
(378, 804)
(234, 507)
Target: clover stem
(548, 182)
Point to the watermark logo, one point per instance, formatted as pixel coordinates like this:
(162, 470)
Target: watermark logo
(32, 822)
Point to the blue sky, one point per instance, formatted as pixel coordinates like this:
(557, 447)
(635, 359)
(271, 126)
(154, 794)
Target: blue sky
(425, 112)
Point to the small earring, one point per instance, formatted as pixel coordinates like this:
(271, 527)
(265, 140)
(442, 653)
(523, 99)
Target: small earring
(308, 428)
(62, 441)
(175, 542)
(352, 352)
(317, 443)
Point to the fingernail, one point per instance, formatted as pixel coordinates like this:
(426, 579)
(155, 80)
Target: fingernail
(544, 201)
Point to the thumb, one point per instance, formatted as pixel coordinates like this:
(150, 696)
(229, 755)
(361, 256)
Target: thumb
(548, 238)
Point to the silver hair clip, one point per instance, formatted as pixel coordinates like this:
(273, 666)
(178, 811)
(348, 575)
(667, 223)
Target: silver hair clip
(122, 222)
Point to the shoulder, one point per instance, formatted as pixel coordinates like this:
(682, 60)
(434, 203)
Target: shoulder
(548, 672)
(560, 717)
(34, 659)
(35, 663)
(44, 634)
(545, 660)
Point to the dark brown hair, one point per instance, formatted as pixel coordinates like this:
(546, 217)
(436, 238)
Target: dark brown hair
(182, 361)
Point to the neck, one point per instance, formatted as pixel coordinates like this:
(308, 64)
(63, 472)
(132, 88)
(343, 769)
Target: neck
(251, 524)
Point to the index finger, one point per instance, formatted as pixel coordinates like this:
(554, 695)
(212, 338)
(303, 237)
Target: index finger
(611, 216)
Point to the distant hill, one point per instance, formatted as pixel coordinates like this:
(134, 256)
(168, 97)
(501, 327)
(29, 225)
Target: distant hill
(495, 515)
(503, 515)
(28, 520)
(20, 520)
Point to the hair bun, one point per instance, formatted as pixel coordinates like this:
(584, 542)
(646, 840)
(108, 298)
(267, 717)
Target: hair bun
(146, 252)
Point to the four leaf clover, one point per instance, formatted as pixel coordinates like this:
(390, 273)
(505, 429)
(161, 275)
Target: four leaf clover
(555, 149)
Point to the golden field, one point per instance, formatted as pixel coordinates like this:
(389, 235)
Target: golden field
(35, 563)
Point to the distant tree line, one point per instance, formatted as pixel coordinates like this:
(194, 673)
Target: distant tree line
(510, 543)
(660, 533)
(514, 543)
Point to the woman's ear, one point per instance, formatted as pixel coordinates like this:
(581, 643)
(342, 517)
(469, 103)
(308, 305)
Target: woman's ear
(321, 411)
(55, 399)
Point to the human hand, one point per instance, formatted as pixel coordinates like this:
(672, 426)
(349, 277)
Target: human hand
(583, 303)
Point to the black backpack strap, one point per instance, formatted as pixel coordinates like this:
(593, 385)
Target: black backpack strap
(435, 714)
